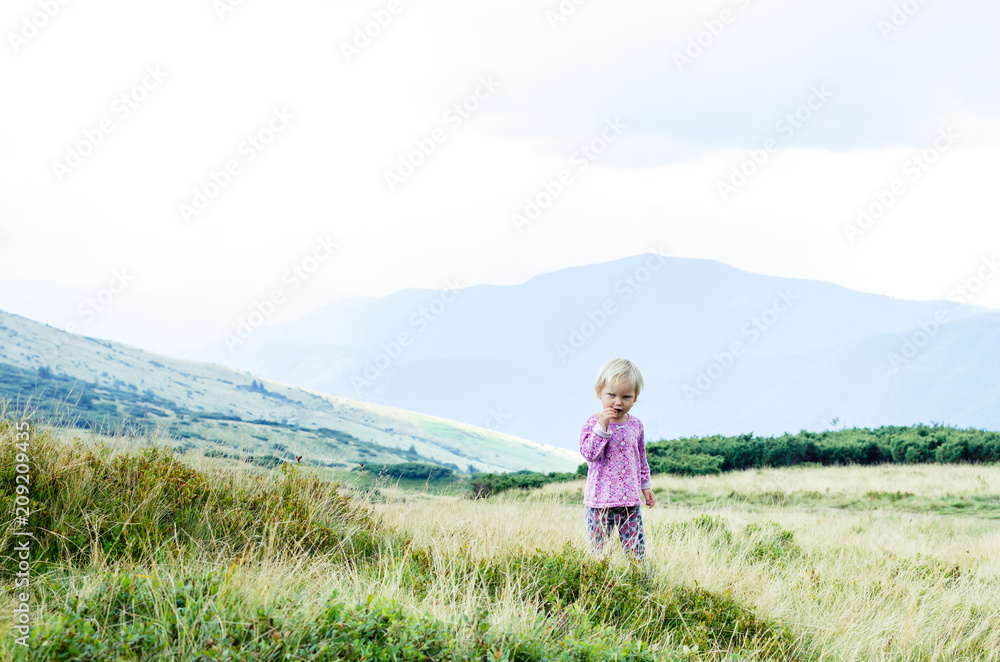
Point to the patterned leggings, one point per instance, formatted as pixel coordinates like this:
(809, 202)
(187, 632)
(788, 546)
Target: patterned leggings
(602, 521)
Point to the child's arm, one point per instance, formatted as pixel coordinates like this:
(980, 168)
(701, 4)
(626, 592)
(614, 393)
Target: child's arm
(644, 481)
(593, 441)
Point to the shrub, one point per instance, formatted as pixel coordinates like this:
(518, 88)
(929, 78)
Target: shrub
(484, 485)
(686, 464)
(413, 471)
(920, 443)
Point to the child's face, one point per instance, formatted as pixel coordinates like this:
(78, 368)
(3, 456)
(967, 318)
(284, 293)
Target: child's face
(621, 396)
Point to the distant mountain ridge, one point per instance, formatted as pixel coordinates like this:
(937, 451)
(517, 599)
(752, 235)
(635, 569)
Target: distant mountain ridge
(223, 409)
(722, 351)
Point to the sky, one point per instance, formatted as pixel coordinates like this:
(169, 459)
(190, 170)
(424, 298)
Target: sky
(167, 168)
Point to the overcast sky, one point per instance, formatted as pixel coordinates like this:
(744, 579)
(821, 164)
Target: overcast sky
(173, 163)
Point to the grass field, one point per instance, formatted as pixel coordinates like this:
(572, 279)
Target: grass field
(144, 556)
(884, 563)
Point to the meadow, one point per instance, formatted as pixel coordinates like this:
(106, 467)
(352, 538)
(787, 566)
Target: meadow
(145, 554)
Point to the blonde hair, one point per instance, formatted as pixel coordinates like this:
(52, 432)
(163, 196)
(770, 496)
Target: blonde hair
(616, 370)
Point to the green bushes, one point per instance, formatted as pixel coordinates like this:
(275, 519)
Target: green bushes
(484, 485)
(914, 444)
(696, 456)
(684, 464)
(411, 471)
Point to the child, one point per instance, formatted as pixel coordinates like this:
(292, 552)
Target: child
(613, 443)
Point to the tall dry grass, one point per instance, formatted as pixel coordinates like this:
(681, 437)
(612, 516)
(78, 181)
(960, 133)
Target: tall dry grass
(878, 585)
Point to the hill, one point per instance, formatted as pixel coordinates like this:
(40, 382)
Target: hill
(101, 383)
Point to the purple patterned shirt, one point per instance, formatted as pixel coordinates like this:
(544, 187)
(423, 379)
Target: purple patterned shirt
(617, 470)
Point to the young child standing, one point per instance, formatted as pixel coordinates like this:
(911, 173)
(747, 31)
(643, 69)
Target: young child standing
(614, 445)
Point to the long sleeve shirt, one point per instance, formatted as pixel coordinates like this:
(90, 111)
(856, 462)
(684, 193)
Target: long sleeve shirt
(617, 470)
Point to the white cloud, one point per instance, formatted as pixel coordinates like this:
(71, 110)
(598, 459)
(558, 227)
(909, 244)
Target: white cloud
(352, 121)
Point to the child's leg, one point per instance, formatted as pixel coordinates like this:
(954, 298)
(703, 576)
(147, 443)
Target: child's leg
(598, 528)
(630, 532)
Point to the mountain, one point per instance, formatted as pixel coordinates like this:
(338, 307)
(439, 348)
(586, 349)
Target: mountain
(90, 383)
(722, 351)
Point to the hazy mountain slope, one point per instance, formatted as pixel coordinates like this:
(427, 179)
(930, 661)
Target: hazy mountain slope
(953, 379)
(809, 349)
(210, 400)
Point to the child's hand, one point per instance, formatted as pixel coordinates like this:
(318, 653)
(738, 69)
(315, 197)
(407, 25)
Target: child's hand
(650, 497)
(606, 415)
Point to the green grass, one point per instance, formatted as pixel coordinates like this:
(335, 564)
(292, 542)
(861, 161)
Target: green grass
(986, 506)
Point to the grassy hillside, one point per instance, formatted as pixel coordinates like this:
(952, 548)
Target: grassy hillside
(140, 556)
(143, 554)
(87, 382)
